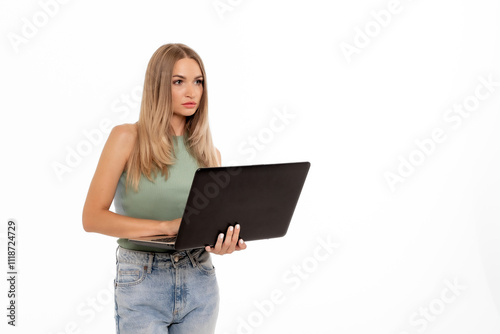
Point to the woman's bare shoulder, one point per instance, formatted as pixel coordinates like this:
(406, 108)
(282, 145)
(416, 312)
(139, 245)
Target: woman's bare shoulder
(127, 130)
(124, 134)
(120, 142)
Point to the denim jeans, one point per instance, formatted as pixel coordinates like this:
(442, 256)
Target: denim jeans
(174, 293)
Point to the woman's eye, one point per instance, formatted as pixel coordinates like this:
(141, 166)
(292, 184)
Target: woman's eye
(200, 82)
(176, 82)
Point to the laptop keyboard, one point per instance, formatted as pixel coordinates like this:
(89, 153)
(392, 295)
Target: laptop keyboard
(167, 239)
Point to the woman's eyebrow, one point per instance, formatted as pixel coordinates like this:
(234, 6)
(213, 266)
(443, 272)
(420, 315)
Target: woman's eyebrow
(182, 77)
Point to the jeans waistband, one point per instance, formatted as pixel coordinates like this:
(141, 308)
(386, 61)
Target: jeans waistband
(150, 259)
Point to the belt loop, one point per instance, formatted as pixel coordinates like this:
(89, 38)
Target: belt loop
(199, 251)
(172, 260)
(150, 262)
(191, 257)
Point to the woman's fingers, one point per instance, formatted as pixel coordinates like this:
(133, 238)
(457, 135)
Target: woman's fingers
(234, 239)
(236, 235)
(241, 245)
(228, 244)
(218, 245)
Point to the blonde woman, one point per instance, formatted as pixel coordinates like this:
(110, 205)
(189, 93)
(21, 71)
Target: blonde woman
(147, 169)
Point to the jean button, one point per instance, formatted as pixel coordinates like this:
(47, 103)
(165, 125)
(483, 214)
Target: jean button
(176, 258)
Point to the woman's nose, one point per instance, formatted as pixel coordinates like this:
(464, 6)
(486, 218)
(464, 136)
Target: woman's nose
(189, 90)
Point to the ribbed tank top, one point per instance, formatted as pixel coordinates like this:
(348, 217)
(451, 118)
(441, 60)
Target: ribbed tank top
(158, 200)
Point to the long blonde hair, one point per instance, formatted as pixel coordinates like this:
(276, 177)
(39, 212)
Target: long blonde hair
(153, 150)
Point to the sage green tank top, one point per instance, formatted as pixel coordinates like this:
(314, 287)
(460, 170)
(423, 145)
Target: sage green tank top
(158, 200)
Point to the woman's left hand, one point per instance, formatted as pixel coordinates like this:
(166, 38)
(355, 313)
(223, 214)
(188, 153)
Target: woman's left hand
(230, 244)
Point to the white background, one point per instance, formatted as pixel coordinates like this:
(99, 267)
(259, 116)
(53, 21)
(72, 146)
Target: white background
(353, 117)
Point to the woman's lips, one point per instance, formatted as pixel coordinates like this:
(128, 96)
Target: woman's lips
(189, 105)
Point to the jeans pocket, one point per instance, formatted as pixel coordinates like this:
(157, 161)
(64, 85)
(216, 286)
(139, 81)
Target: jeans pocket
(129, 274)
(204, 263)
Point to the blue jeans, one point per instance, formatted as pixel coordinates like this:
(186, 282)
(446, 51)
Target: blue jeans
(174, 293)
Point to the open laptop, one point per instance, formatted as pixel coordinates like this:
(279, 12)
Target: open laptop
(261, 198)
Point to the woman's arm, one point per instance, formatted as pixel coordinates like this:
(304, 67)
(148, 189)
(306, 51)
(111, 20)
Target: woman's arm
(96, 216)
(219, 157)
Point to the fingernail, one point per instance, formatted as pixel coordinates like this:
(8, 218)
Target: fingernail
(241, 241)
(237, 225)
(221, 236)
(230, 228)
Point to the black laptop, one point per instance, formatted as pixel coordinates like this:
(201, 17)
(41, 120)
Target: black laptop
(261, 198)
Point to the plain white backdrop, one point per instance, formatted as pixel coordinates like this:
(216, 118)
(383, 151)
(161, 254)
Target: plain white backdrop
(397, 229)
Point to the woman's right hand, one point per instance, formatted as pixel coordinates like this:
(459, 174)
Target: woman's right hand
(171, 227)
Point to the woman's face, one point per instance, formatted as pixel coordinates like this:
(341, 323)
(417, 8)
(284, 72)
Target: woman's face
(187, 87)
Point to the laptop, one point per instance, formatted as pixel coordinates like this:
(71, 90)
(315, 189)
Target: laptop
(261, 198)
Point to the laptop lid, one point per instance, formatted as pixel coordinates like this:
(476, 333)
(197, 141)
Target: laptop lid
(261, 198)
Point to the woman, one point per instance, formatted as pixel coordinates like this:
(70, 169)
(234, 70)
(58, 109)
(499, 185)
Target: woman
(147, 169)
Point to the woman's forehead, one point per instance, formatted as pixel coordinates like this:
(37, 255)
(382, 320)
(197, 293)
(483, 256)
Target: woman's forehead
(187, 67)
